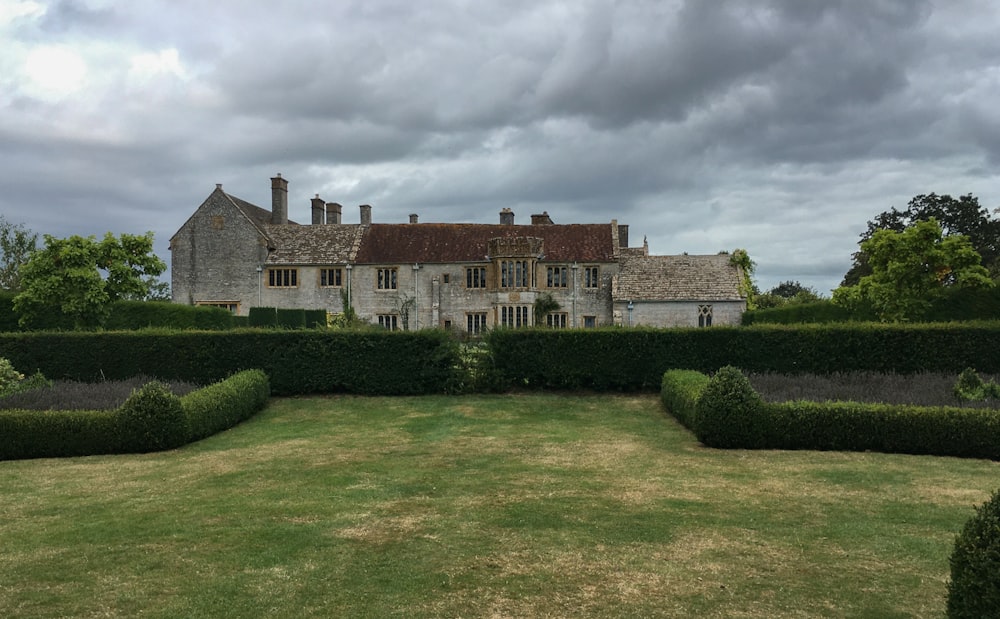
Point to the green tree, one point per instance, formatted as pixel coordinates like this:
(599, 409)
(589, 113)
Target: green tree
(787, 293)
(963, 215)
(16, 245)
(80, 276)
(909, 269)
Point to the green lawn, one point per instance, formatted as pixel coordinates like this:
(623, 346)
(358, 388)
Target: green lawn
(483, 506)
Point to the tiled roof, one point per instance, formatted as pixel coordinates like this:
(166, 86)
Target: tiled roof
(677, 278)
(314, 244)
(442, 243)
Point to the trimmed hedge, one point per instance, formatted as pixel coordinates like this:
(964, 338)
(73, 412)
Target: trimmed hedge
(223, 405)
(730, 414)
(964, 304)
(680, 391)
(128, 315)
(375, 362)
(152, 419)
(620, 359)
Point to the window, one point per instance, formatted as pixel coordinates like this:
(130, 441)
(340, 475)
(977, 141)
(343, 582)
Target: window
(514, 274)
(555, 277)
(447, 278)
(232, 306)
(592, 277)
(282, 278)
(475, 277)
(514, 316)
(556, 320)
(704, 315)
(331, 277)
(388, 321)
(475, 323)
(387, 279)
(589, 322)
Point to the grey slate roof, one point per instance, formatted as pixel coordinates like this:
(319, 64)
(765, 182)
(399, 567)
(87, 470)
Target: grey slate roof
(318, 244)
(677, 278)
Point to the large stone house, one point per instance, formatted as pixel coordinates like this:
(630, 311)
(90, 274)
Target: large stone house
(467, 277)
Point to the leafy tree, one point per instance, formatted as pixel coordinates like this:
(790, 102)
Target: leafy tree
(787, 293)
(16, 245)
(910, 268)
(962, 215)
(80, 276)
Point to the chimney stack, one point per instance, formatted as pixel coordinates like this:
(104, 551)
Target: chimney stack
(279, 200)
(366, 214)
(541, 220)
(413, 218)
(317, 210)
(333, 212)
(506, 217)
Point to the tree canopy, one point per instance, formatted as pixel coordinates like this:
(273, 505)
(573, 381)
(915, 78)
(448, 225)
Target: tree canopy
(787, 293)
(963, 215)
(16, 245)
(909, 268)
(79, 276)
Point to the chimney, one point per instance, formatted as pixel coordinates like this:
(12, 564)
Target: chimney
(366, 214)
(622, 235)
(413, 218)
(279, 200)
(333, 211)
(541, 220)
(317, 209)
(506, 217)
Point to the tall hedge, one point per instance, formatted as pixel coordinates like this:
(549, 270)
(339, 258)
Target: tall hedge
(620, 359)
(298, 362)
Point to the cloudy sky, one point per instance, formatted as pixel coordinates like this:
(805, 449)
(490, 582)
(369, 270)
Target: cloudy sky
(778, 126)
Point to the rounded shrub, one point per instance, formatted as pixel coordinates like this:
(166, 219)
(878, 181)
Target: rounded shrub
(152, 419)
(728, 413)
(974, 588)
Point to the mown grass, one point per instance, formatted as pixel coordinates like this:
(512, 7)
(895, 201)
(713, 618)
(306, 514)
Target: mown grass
(481, 506)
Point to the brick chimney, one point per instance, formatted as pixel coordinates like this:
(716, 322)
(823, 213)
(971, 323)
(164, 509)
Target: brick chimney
(333, 212)
(279, 200)
(541, 220)
(506, 217)
(413, 218)
(317, 210)
(366, 214)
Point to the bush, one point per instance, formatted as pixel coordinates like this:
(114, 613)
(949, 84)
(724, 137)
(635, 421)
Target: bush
(974, 588)
(263, 317)
(680, 392)
(152, 419)
(971, 387)
(728, 412)
(221, 406)
(35, 434)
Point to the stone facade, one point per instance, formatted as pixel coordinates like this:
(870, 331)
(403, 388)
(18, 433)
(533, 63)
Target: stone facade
(465, 277)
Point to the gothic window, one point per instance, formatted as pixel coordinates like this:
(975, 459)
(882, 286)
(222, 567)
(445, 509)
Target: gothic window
(387, 279)
(704, 315)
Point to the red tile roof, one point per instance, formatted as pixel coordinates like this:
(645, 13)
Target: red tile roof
(442, 243)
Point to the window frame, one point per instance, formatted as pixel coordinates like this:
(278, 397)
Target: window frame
(287, 277)
(592, 277)
(556, 273)
(324, 277)
(385, 276)
(475, 277)
(389, 322)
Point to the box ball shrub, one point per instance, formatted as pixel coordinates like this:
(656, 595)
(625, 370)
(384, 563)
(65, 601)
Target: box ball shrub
(152, 419)
(728, 412)
(974, 588)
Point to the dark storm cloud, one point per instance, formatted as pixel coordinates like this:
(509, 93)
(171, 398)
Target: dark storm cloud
(777, 126)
